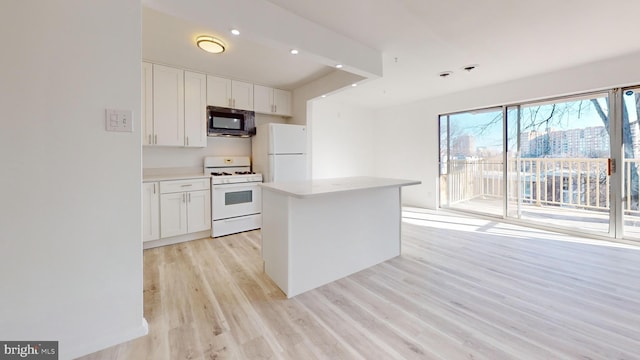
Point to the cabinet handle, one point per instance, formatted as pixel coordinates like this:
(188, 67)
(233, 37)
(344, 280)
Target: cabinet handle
(154, 188)
(234, 102)
(150, 139)
(230, 103)
(275, 108)
(187, 140)
(185, 185)
(184, 197)
(155, 139)
(189, 194)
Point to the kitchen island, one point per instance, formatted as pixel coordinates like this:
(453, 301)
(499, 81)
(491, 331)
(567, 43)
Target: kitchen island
(318, 231)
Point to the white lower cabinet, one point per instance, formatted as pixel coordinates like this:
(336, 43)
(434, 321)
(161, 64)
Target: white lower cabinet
(198, 210)
(174, 214)
(185, 207)
(150, 211)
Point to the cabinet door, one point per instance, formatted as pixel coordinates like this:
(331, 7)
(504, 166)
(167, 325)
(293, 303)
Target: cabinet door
(168, 105)
(198, 210)
(146, 112)
(262, 99)
(173, 214)
(150, 211)
(242, 95)
(218, 91)
(195, 109)
(282, 102)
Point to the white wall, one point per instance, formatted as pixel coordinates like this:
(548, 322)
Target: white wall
(330, 83)
(342, 139)
(70, 219)
(406, 136)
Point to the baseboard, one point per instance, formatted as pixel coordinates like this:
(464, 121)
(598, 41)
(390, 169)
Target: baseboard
(176, 239)
(105, 342)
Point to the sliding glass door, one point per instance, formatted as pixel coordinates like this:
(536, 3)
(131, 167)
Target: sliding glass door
(471, 166)
(549, 163)
(631, 152)
(563, 163)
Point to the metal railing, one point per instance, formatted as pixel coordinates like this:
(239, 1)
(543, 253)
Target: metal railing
(579, 183)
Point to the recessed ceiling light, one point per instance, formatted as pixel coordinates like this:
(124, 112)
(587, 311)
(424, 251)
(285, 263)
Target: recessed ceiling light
(210, 44)
(339, 66)
(294, 52)
(445, 74)
(354, 84)
(470, 68)
(235, 31)
(324, 96)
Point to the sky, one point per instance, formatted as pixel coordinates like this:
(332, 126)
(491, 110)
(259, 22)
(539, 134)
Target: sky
(486, 126)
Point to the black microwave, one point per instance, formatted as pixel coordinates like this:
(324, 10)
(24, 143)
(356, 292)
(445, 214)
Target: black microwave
(230, 122)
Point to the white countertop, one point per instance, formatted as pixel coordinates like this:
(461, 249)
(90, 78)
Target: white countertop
(318, 187)
(167, 177)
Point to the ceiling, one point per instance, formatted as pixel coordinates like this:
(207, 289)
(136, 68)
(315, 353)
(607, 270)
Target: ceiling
(170, 40)
(415, 40)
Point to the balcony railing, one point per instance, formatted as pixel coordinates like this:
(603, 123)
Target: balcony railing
(579, 183)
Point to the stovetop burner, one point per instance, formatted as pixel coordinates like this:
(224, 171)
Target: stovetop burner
(230, 170)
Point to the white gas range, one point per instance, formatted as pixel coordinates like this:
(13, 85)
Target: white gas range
(236, 202)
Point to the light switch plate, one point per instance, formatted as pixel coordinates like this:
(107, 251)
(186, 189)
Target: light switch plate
(119, 120)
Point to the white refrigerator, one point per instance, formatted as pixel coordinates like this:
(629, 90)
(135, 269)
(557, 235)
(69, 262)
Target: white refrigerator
(279, 152)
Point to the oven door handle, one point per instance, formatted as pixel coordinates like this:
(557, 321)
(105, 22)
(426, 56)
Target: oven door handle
(222, 187)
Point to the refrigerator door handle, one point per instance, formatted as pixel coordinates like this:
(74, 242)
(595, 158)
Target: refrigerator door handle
(271, 168)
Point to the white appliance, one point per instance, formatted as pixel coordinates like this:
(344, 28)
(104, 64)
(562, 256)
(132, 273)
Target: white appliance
(280, 152)
(236, 200)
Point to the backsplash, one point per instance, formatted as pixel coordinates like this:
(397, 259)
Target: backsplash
(180, 157)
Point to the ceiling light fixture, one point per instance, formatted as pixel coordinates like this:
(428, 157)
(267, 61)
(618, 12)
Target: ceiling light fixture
(294, 52)
(210, 44)
(354, 84)
(339, 66)
(235, 32)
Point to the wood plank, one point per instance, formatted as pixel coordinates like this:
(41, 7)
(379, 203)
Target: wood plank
(463, 288)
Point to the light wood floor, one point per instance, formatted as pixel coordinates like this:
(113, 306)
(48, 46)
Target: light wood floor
(462, 289)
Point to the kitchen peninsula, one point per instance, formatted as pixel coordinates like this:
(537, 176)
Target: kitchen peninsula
(318, 231)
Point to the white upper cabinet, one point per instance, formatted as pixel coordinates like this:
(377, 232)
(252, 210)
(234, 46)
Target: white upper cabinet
(282, 102)
(272, 101)
(168, 105)
(146, 112)
(174, 107)
(263, 99)
(229, 93)
(195, 109)
(218, 91)
(242, 95)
